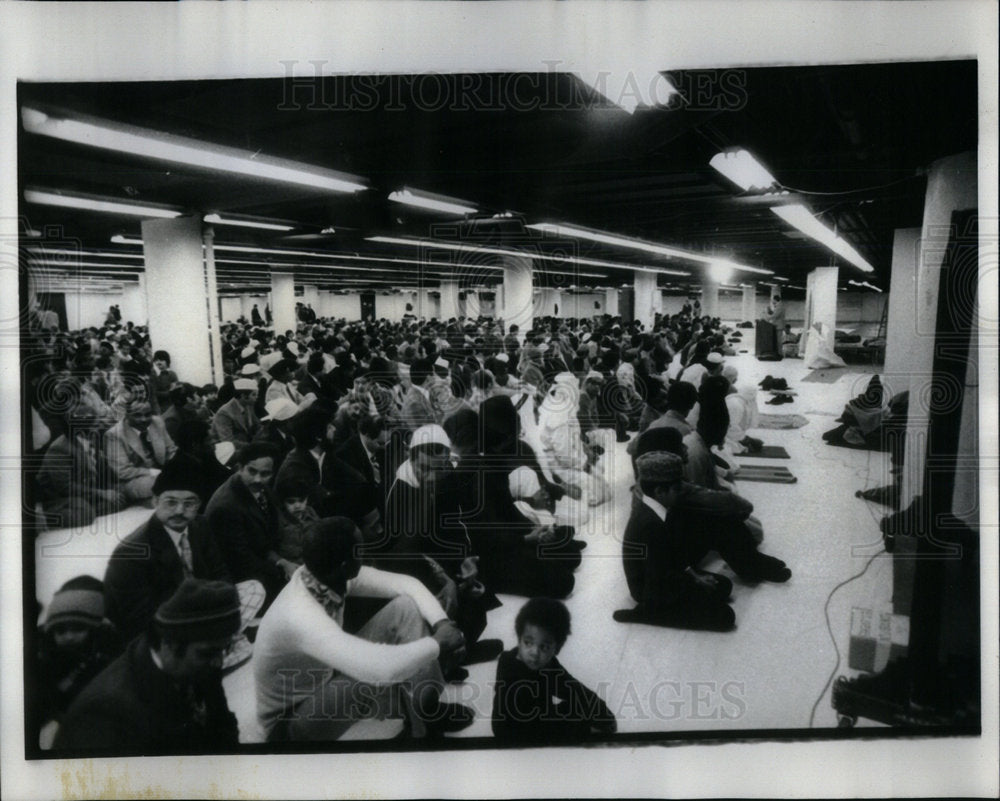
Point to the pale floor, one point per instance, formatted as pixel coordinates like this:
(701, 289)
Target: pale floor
(767, 674)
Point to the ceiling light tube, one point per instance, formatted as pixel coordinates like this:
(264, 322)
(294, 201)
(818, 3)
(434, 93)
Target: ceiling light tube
(636, 244)
(48, 198)
(800, 217)
(215, 219)
(180, 150)
(740, 167)
(425, 200)
(392, 240)
(102, 254)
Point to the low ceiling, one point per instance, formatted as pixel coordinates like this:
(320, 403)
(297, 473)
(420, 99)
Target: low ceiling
(851, 142)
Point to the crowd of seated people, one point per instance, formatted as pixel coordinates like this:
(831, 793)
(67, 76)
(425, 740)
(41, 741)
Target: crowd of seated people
(368, 488)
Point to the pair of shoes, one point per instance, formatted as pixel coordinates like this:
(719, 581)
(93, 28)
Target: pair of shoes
(483, 651)
(448, 718)
(777, 400)
(456, 674)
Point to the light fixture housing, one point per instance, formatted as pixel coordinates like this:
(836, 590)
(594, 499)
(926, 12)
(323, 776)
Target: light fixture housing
(216, 219)
(740, 167)
(181, 150)
(48, 197)
(430, 202)
(800, 217)
(604, 238)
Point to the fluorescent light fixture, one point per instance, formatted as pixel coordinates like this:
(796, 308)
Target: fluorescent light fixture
(392, 240)
(721, 272)
(81, 253)
(779, 278)
(48, 198)
(740, 167)
(800, 217)
(864, 284)
(628, 88)
(425, 200)
(180, 150)
(636, 244)
(215, 219)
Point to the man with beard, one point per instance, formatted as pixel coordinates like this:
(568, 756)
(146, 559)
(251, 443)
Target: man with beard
(164, 694)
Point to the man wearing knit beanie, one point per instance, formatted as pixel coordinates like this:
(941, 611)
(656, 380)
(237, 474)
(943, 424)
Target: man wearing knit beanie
(164, 694)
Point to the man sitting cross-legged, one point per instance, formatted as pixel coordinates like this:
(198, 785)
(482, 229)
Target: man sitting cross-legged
(665, 540)
(315, 680)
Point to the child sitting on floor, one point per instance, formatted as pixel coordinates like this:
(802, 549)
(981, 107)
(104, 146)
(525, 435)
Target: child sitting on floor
(295, 515)
(535, 699)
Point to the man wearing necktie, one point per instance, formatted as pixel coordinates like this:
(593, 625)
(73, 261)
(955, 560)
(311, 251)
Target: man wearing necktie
(175, 543)
(137, 448)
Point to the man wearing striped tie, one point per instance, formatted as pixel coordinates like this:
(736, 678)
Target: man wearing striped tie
(176, 543)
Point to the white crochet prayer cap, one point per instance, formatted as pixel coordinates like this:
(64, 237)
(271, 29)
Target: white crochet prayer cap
(523, 483)
(430, 435)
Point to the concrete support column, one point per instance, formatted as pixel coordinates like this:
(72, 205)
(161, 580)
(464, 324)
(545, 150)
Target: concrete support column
(283, 301)
(749, 310)
(611, 302)
(821, 304)
(212, 297)
(518, 298)
(648, 300)
(901, 340)
(952, 185)
(134, 302)
(473, 308)
(449, 300)
(709, 297)
(177, 297)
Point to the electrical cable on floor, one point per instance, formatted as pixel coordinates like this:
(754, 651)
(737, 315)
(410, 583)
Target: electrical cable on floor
(829, 628)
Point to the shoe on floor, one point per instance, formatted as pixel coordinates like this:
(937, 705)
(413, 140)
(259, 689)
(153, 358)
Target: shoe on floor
(629, 615)
(768, 568)
(483, 651)
(456, 674)
(448, 718)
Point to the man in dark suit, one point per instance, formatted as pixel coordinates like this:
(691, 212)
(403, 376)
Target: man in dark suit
(312, 378)
(148, 566)
(243, 513)
(164, 694)
(664, 541)
(276, 426)
(365, 451)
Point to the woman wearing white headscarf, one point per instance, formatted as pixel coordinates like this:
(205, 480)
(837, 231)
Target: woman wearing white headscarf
(566, 455)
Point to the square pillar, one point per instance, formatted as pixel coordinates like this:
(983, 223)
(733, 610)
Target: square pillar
(283, 302)
(709, 297)
(518, 299)
(648, 300)
(177, 296)
(449, 300)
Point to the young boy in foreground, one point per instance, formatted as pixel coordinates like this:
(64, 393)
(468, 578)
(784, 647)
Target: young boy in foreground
(535, 699)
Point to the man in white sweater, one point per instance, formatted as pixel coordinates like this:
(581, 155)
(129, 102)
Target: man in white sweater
(314, 681)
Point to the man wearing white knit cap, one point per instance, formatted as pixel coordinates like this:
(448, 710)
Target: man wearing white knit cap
(422, 540)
